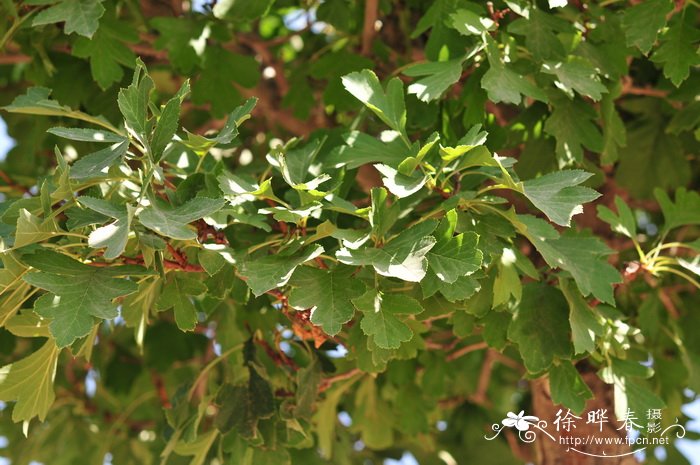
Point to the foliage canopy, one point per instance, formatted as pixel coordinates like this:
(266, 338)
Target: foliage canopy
(225, 223)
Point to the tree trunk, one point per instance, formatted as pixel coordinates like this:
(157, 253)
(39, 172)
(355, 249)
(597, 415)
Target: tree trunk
(548, 452)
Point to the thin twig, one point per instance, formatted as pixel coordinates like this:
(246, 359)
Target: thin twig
(328, 382)
(368, 30)
(466, 350)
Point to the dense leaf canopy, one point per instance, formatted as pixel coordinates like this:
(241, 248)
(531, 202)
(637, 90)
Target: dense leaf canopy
(334, 232)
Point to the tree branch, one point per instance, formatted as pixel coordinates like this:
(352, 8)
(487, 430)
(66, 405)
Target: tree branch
(328, 382)
(368, 31)
(628, 88)
(466, 350)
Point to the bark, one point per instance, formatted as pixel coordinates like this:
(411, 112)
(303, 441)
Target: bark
(548, 452)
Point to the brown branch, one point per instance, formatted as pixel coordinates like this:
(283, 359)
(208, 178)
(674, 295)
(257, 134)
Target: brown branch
(321, 264)
(267, 58)
(159, 385)
(479, 397)
(497, 113)
(177, 255)
(12, 183)
(518, 448)
(14, 59)
(628, 88)
(466, 350)
(275, 116)
(507, 361)
(328, 382)
(138, 260)
(277, 356)
(368, 31)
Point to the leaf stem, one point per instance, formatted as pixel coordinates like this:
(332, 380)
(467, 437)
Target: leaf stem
(668, 245)
(16, 23)
(678, 273)
(209, 366)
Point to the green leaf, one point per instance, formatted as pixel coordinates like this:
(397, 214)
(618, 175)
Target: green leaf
(496, 328)
(576, 74)
(568, 388)
(272, 271)
(32, 229)
(168, 122)
(399, 184)
(28, 324)
(79, 217)
(584, 324)
(643, 21)
(37, 102)
(381, 216)
(242, 407)
(376, 430)
(614, 130)
(624, 221)
(211, 259)
(466, 22)
(80, 16)
(582, 256)
(327, 416)
(558, 194)
(201, 145)
(507, 280)
(505, 85)
(198, 449)
(29, 382)
(290, 215)
(540, 327)
(95, 164)
(684, 211)
(87, 135)
(389, 107)
(308, 380)
(361, 149)
(329, 293)
(652, 158)
(678, 52)
(454, 256)
(539, 31)
(10, 280)
(572, 125)
(295, 164)
(113, 236)
(137, 307)
(380, 317)
(405, 257)
(439, 77)
(107, 52)
(133, 102)
(179, 38)
(173, 221)
(629, 390)
(410, 164)
(239, 190)
(177, 294)
(685, 119)
(78, 293)
(462, 288)
(215, 84)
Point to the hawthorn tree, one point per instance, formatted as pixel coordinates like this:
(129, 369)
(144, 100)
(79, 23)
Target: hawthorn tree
(334, 232)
